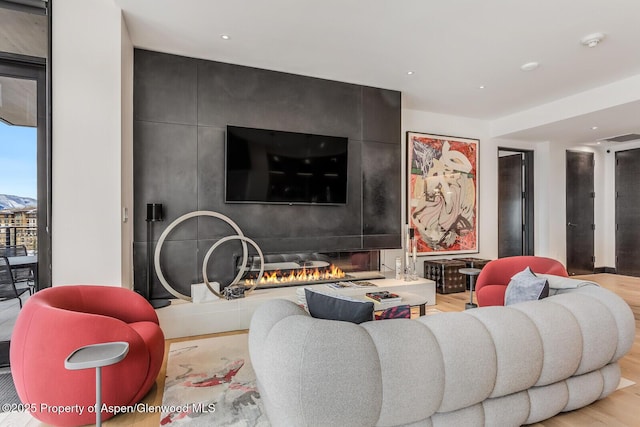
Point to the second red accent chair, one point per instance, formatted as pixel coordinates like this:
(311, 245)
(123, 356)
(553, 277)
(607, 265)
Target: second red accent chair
(496, 275)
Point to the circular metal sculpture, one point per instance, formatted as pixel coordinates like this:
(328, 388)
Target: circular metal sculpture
(241, 272)
(240, 236)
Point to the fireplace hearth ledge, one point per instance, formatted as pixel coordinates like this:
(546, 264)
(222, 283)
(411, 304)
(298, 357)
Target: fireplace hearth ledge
(184, 319)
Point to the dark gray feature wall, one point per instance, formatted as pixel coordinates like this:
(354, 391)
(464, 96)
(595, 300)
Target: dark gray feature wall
(181, 109)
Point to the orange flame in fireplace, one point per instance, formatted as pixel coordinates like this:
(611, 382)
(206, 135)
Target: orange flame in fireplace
(303, 275)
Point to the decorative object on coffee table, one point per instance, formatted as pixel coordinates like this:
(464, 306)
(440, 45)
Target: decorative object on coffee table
(442, 193)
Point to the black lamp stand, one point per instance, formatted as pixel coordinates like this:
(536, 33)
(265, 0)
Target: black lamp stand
(154, 214)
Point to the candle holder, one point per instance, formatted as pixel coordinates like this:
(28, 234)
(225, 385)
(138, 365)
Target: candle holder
(410, 256)
(414, 254)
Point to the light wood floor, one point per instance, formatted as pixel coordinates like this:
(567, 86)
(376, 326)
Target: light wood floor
(622, 408)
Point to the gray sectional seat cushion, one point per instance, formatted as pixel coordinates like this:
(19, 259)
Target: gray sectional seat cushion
(491, 366)
(559, 283)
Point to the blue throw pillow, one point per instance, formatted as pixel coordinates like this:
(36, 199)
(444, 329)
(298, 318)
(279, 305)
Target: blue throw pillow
(526, 286)
(335, 307)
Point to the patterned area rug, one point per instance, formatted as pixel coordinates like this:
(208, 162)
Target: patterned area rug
(211, 382)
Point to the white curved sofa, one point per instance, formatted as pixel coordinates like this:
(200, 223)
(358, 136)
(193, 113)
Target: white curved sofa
(491, 366)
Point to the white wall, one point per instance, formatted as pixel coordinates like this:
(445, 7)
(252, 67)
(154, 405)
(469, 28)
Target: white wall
(126, 157)
(604, 204)
(544, 242)
(602, 98)
(92, 157)
(87, 96)
(549, 175)
(549, 188)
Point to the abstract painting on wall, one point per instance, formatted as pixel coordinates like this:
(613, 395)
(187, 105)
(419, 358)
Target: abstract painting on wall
(442, 193)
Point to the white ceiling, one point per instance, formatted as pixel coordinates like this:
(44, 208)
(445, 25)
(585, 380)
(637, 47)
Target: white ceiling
(453, 47)
(24, 34)
(18, 101)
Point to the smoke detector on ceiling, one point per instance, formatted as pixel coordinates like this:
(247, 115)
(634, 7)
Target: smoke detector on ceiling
(529, 66)
(592, 40)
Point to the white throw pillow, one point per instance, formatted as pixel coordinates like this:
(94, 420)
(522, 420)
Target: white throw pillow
(526, 286)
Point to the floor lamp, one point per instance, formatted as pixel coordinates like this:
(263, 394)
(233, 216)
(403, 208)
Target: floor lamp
(154, 214)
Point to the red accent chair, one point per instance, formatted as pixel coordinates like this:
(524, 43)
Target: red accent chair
(492, 281)
(56, 321)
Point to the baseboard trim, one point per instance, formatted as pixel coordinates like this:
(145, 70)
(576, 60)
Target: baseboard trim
(611, 270)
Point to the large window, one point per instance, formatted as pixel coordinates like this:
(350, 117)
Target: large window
(25, 148)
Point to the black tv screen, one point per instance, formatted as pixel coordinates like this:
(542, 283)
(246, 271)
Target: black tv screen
(268, 166)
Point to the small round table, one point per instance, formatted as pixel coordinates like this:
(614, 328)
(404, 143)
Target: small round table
(472, 273)
(96, 356)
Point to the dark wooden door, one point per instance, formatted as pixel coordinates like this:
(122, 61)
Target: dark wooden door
(580, 213)
(628, 212)
(510, 206)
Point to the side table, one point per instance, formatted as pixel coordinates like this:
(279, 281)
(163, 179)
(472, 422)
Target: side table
(96, 356)
(472, 273)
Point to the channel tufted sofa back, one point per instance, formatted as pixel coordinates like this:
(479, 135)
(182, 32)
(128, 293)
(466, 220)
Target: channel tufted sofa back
(491, 366)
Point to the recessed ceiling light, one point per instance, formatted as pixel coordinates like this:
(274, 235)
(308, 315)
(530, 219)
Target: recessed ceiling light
(409, 72)
(225, 37)
(598, 143)
(529, 66)
(482, 87)
(592, 40)
(594, 127)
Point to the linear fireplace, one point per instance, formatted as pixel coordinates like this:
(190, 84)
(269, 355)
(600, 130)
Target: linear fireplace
(297, 269)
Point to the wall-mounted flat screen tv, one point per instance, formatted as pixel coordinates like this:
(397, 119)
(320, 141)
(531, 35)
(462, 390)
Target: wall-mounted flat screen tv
(269, 166)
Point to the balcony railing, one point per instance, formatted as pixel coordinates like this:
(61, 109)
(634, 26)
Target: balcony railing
(27, 235)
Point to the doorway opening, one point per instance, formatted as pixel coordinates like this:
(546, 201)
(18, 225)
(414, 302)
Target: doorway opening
(580, 212)
(627, 168)
(515, 202)
(25, 159)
